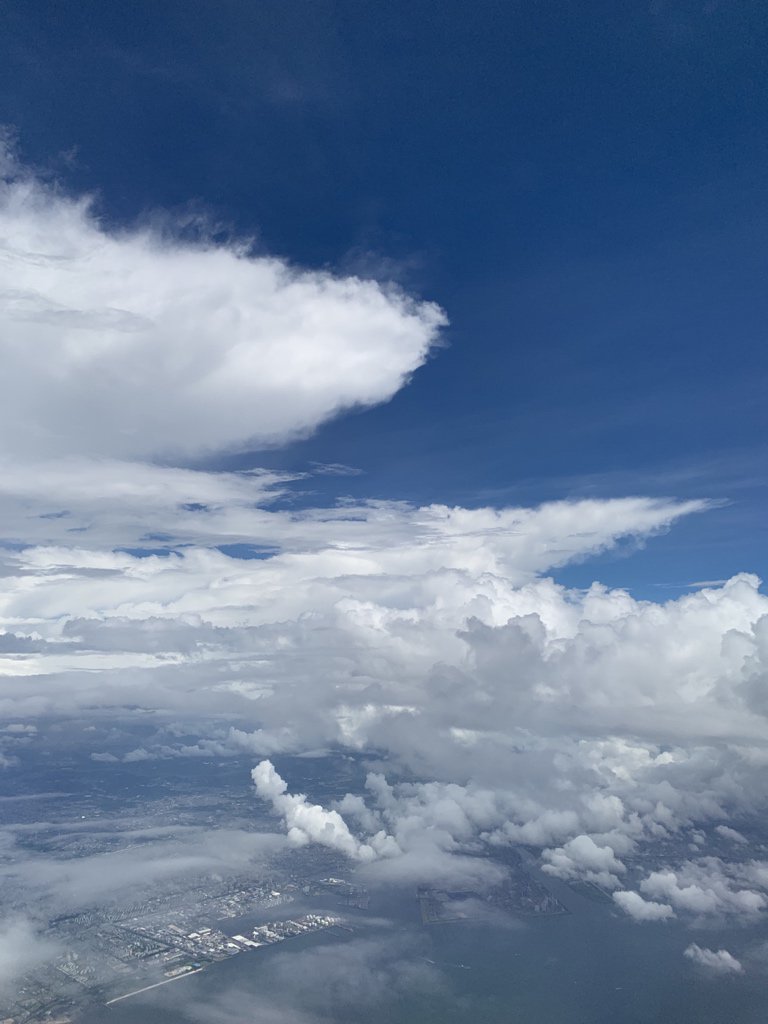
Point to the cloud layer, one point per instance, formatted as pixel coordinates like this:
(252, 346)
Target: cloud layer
(623, 740)
(585, 723)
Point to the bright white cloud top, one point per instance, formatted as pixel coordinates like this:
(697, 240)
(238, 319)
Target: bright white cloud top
(586, 724)
(129, 344)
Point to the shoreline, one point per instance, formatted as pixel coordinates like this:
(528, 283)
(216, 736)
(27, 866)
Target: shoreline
(157, 984)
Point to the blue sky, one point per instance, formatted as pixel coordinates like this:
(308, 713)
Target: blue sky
(581, 187)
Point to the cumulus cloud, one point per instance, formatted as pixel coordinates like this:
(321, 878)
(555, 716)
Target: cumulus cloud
(718, 961)
(114, 342)
(632, 903)
(730, 833)
(307, 822)
(583, 857)
(533, 714)
(99, 503)
(710, 886)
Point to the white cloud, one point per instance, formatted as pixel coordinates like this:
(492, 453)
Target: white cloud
(542, 720)
(22, 949)
(308, 822)
(584, 722)
(125, 343)
(53, 884)
(582, 856)
(709, 886)
(719, 961)
(632, 903)
(104, 502)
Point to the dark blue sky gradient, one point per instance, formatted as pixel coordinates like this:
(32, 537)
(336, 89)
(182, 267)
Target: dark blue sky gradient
(583, 187)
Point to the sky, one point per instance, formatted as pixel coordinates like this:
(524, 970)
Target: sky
(582, 191)
(389, 378)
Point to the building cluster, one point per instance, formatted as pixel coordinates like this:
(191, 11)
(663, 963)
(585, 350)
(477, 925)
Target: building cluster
(113, 953)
